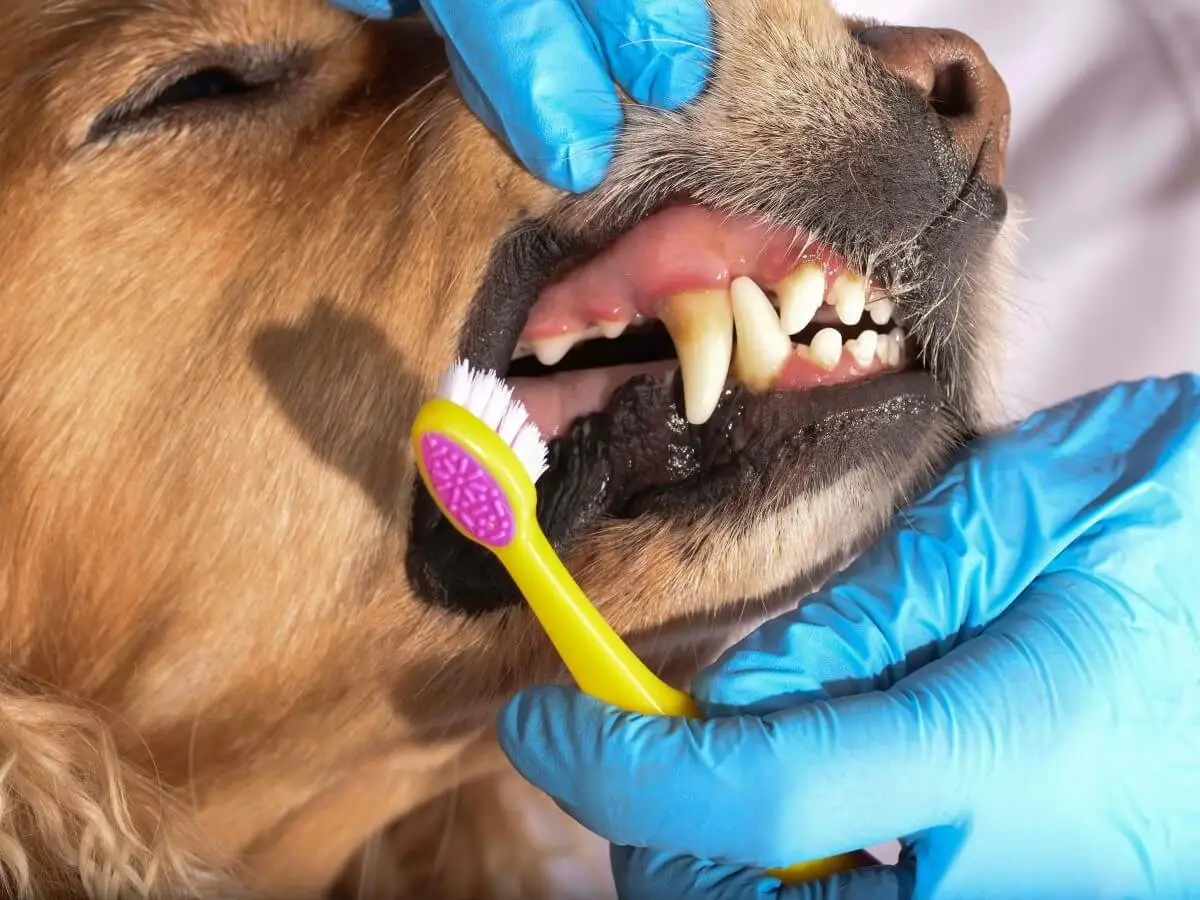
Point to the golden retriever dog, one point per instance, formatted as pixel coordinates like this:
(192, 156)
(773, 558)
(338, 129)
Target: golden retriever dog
(240, 241)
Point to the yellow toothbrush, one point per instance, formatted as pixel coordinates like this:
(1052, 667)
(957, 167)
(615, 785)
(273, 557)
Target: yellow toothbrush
(479, 457)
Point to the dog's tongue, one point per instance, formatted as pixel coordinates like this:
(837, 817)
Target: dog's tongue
(554, 401)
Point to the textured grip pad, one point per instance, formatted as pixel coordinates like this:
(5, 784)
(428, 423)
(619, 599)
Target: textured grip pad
(467, 491)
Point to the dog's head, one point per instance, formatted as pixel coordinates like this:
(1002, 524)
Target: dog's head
(239, 243)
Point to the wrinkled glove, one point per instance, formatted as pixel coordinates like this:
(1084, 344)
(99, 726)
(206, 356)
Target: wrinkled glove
(1009, 681)
(540, 73)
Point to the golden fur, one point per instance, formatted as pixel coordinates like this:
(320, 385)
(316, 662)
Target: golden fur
(216, 676)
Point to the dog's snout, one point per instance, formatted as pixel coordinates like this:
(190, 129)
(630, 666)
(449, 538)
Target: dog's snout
(954, 76)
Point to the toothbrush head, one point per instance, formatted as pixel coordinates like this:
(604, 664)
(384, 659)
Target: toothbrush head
(479, 455)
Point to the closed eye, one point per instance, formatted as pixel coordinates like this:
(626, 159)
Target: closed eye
(204, 84)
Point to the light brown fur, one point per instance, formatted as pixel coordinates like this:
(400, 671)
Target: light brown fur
(216, 675)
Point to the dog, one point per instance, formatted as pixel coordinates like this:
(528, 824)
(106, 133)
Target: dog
(241, 241)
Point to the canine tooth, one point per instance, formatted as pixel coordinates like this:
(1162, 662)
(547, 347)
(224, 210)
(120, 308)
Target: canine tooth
(849, 296)
(826, 348)
(550, 351)
(800, 296)
(522, 349)
(762, 347)
(862, 348)
(880, 310)
(701, 325)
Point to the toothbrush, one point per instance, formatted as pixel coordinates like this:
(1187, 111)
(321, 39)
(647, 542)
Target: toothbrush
(479, 456)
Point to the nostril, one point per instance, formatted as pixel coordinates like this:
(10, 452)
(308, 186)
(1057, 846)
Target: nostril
(952, 75)
(953, 94)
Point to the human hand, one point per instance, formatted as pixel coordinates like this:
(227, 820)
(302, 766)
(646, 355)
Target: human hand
(540, 73)
(1010, 681)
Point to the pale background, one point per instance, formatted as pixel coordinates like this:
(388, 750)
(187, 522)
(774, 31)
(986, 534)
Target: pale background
(1105, 156)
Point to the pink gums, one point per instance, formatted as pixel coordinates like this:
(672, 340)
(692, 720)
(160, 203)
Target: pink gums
(467, 490)
(683, 248)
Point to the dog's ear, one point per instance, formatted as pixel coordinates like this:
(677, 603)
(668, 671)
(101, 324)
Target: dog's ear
(78, 820)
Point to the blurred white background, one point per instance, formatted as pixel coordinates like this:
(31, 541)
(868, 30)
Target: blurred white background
(1105, 158)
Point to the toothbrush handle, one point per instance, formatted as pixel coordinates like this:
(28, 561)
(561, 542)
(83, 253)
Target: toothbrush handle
(602, 664)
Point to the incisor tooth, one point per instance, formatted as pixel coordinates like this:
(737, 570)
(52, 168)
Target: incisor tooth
(762, 347)
(826, 348)
(862, 348)
(550, 351)
(611, 330)
(849, 296)
(880, 310)
(701, 325)
(896, 347)
(800, 296)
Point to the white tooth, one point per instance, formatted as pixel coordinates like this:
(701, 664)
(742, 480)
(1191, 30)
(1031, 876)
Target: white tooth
(883, 348)
(612, 330)
(826, 348)
(849, 296)
(762, 347)
(896, 346)
(701, 325)
(880, 310)
(862, 348)
(550, 351)
(800, 296)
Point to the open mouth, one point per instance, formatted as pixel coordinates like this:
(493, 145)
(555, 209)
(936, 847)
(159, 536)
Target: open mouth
(695, 361)
(712, 301)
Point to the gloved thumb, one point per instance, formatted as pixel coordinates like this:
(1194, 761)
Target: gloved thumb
(642, 874)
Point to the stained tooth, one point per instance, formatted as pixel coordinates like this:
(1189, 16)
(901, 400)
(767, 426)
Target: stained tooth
(762, 347)
(880, 310)
(862, 348)
(550, 351)
(800, 296)
(826, 348)
(896, 346)
(701, 325)
(522, 349)
(849, 296)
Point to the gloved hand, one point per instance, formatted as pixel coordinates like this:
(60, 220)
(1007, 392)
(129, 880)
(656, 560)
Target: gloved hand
(1009, 681)
(540, 73)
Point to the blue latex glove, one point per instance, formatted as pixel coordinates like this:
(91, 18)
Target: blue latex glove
(1010, 680)
(540, 73)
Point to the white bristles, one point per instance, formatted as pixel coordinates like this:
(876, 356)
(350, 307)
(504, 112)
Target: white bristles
(486, 395)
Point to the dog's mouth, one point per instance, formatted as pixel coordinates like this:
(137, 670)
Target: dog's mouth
(709, 301)
(696, 361)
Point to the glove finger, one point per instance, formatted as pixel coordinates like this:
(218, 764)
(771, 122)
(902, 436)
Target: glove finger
(962, 554)
(802, 784)
(380, 9)
(642, 874)
(549, 93)
(659, 52)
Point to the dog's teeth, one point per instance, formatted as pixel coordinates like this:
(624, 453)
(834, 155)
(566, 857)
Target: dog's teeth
(883, 348)
(701, 325)
(862, 348)
(762, 347)
(880, 310)
(800, 296)
(895, 347)
(826, 348)
(612, 330)
(848, 296)
(550, 351)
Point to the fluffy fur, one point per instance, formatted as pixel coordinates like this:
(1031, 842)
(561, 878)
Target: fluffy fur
(220, 317)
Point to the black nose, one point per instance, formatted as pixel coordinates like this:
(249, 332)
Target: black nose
(953, 74)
